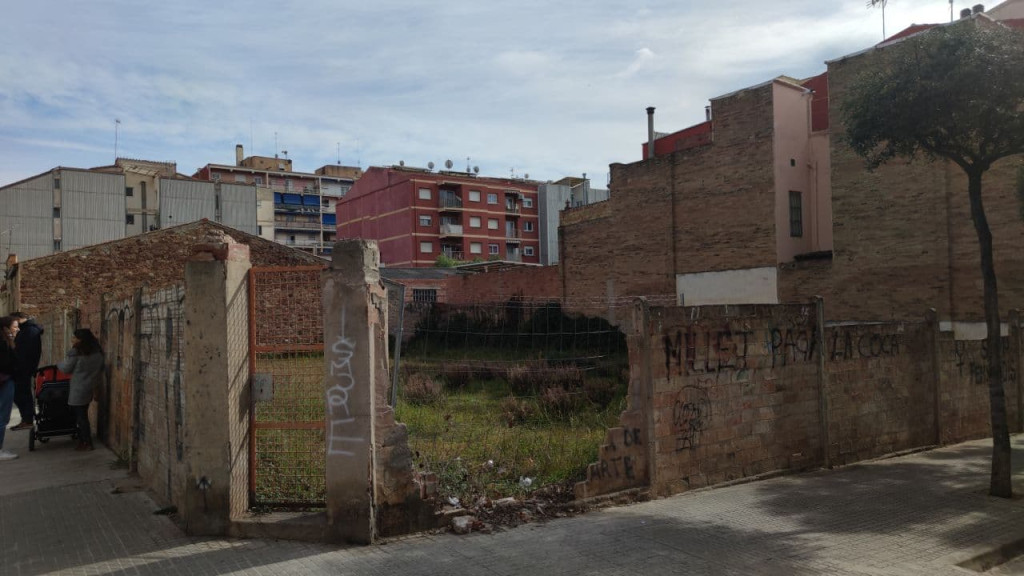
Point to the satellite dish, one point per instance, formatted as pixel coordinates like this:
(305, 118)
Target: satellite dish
(476, 169)
(526, 176)
(430, 165)
(448, 164)
(401, 162)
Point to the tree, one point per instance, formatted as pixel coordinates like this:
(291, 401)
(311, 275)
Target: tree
(882, 3)
(953, 93)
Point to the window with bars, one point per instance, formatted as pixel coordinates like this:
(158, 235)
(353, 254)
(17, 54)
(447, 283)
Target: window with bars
(796, 214)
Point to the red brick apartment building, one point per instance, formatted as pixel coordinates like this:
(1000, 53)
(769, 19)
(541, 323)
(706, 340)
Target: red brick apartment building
(765, 202)
(416, 215)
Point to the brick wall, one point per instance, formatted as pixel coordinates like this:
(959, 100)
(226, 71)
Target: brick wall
(721, 393)
(499, 286)
(116, 269)
(702, 209)
(881, 389)
(903, 238)
(142, 406)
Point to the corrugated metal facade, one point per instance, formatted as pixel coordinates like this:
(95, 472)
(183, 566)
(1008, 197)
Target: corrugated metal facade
(92, 208)
(238, 207)
(26, 218)
(183, 201)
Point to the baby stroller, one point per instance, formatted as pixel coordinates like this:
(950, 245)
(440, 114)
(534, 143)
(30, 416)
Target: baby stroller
(53, 415)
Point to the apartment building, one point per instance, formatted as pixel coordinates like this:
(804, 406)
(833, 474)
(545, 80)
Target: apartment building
(69, 208)
(417, 215)
(295, 208)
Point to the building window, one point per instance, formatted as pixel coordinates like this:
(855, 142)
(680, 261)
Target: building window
(424, 193)
(259, 230)
(527, 202)
(796, 214)
(527, 226)
(528, 250)
(474, 221)
(474, 195)
(129, 191)
(56, 245)
(288, 184)
(325, 202)
(215, 177)
(476, 248)
(424, 295)
(426, 247)
(240, 178)
(492, 198)
(492, 249)
(424, 220)
(257, 180)
(56, 212)
(56, 183)
(129, 219)
(492, 223)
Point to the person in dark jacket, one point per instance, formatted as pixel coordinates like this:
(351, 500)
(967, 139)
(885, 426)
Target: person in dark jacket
(8, 364)
(85, 364)
(28, 349)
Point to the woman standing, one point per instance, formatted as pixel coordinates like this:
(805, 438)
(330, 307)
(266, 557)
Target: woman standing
(85, 364)
(8, 365)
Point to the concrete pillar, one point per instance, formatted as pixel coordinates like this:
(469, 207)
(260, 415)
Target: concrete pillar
(216, 386)
(353, 297)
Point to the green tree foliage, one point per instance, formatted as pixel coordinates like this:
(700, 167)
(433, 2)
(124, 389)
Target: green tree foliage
(953, 93)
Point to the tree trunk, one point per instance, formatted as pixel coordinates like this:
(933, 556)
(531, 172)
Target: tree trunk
(1000, 483)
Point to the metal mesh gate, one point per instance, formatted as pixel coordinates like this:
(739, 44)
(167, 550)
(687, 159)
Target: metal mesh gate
(287, 457)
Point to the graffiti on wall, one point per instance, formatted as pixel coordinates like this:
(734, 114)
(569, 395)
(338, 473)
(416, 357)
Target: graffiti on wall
(697, 351)
(849, 345)
(618, 466)
(972, 362)
(691, 413)
(340, 423)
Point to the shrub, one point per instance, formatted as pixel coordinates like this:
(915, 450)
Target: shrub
(420, 388)
(515, 411)
(558, 401)
(457, 375)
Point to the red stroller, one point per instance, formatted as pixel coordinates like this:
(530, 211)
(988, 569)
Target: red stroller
(53, 415)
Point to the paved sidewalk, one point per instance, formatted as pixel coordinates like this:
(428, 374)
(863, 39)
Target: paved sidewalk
(917, 514)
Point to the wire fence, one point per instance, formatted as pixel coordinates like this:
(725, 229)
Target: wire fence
(503, 398)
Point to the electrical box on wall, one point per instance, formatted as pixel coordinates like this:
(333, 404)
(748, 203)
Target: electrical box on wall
(262, 387)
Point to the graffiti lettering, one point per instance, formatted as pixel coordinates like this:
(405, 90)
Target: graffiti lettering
(690, 414)
(847, 345)
(702, 352)
(340, 416)
(618, 467)
(792, 345)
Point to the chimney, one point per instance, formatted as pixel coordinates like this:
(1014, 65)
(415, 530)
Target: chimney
(238, 155)
(978, 8)
(650, 131)
(965, 13)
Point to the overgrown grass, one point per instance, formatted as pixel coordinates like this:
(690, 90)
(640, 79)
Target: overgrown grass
(481, 441)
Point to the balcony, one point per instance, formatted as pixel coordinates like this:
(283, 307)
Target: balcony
(452, 253)
(512, 236)
(449, 203)
(511, 209)
(451, 230)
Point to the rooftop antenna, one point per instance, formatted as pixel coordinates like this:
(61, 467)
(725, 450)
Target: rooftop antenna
(339, 153)
(950, 10)
(275, 143)
(467, 164)
(117, 126)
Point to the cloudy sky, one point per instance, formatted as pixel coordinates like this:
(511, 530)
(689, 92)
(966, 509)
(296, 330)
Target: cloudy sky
(547, 88)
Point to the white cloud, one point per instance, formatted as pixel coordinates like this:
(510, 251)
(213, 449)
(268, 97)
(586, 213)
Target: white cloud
(538, 87)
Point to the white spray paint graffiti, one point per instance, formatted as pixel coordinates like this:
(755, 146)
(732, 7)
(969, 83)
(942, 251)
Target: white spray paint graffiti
(337, 396)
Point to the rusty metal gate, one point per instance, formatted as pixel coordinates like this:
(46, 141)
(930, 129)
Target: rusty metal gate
(286, 448)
